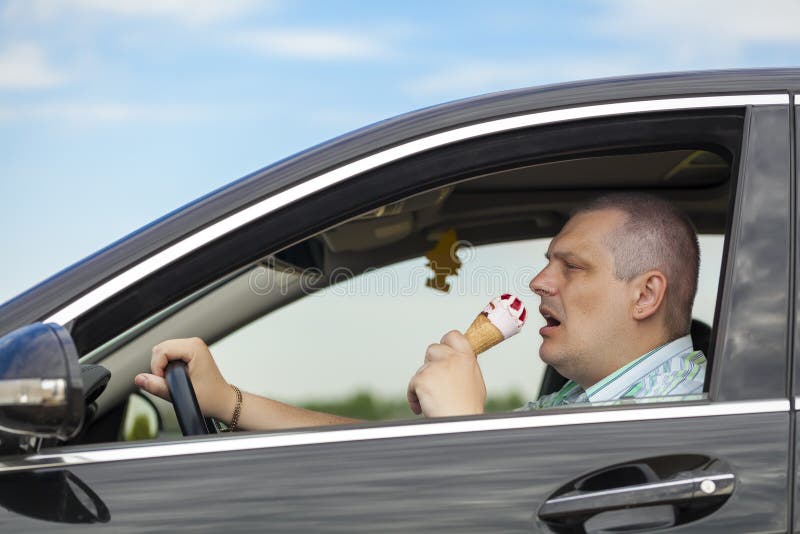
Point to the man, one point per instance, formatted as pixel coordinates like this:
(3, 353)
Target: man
(616, 296)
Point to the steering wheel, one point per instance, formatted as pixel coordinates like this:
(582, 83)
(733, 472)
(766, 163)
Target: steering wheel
(184, 401)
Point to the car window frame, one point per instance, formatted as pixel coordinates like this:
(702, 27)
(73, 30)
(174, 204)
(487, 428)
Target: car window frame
(725, 256)
(762, 194)
(121, 308)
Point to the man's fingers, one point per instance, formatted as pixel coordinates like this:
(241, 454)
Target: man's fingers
(152, 384)
(440, 359)
(451, 341)
(458, 342)
(158, 362)
(173, 349)
(413, 403)
(436, 352)
(411, 395)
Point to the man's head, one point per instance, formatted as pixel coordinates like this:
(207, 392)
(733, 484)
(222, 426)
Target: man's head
(620, 280)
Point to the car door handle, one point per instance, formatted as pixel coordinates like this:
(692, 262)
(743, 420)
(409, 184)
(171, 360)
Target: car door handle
(688, 487)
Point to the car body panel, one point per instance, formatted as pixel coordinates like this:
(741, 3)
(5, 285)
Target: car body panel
(466, 482)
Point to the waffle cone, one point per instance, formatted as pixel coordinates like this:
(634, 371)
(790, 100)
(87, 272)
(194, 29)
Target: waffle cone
(482, 334)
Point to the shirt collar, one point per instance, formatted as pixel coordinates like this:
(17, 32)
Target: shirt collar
(615, 384)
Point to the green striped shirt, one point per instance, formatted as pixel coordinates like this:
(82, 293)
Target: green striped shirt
(673, 369)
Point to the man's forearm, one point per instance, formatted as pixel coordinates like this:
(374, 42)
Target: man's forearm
(260, 413)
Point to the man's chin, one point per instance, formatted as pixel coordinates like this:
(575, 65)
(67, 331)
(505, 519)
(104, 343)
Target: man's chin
(549, 353)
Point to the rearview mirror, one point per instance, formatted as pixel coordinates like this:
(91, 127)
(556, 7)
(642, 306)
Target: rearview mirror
(41, 390)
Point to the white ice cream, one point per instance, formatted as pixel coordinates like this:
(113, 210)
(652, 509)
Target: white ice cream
(507, 313)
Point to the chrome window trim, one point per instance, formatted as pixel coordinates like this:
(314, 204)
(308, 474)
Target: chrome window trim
(345, 172)
(251, 441)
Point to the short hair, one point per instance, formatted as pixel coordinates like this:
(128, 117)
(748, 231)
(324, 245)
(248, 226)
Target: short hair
(655, 236)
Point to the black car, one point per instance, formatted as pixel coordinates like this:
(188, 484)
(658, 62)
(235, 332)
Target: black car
(500, 168)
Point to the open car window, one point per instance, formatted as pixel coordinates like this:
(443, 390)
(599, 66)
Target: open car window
(351, 348)
(355, 325)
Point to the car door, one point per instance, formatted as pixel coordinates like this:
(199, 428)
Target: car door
(796, 374)
(724, 460)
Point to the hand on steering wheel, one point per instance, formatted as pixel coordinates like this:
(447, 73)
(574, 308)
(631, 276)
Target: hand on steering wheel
(187, 409)
(184, 372)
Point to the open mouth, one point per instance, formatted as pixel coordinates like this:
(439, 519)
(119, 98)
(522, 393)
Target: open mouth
(550, 318)
(552, 321)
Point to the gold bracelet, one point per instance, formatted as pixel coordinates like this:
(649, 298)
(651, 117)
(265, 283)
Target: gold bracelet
(237, 410)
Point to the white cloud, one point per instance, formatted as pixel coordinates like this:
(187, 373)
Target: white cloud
(701, 31)
(774, 22)
(646, 36)
(24, 66)
(477, 77)
(310, 43)
(89, 113)
(190, 12)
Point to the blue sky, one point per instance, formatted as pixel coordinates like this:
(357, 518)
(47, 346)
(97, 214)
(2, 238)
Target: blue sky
(114, 113)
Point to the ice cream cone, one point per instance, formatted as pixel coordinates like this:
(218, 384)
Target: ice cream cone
(482, 334)
(502, 318)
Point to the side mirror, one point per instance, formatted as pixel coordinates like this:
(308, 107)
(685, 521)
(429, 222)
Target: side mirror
(41, 390)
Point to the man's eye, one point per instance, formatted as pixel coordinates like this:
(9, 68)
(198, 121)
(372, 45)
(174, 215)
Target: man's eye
(572, 267)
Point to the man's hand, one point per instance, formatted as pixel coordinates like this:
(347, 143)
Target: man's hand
(215, 396)
(449, 382)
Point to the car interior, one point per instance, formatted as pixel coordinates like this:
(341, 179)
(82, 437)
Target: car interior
(519, 203)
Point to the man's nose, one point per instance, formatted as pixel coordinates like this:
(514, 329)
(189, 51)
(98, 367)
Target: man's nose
(542, 285)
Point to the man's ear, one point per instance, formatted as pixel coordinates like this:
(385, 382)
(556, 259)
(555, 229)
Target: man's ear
(650, 290)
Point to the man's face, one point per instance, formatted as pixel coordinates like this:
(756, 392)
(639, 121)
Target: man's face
(585, 306)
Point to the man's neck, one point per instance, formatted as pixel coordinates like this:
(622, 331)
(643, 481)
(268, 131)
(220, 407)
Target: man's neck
(622, 357)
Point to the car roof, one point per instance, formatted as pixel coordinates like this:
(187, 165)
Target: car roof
(66, 285)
